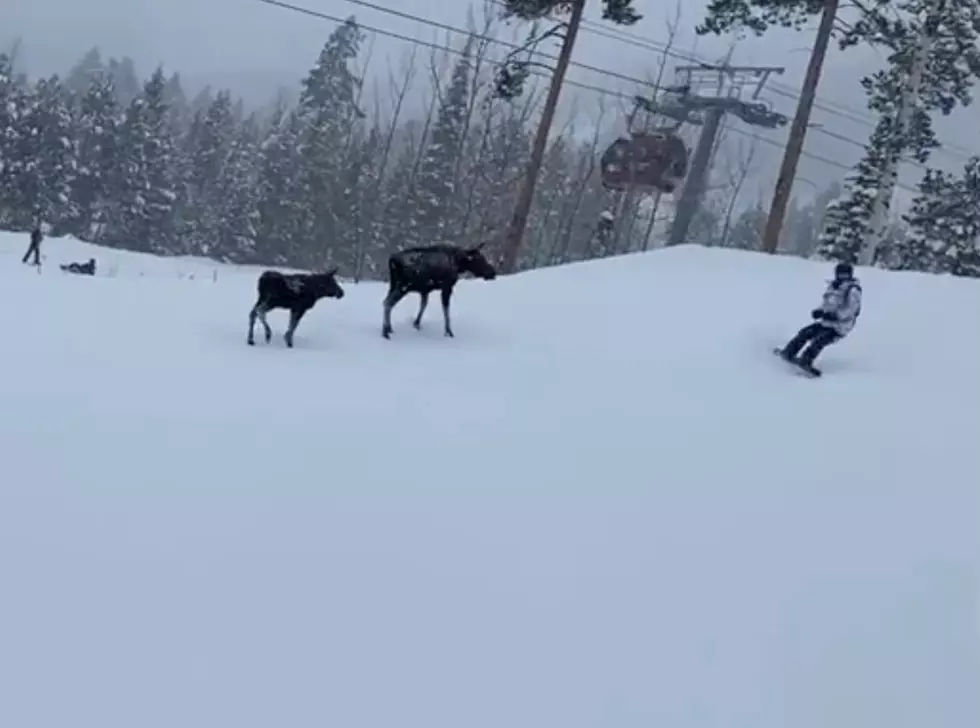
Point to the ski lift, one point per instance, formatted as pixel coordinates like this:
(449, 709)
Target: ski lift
(649, 161)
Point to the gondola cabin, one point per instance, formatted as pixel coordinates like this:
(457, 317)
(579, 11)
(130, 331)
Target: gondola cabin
(649, 161)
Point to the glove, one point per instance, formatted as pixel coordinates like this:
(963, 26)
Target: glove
(830, 316)
(817, 314)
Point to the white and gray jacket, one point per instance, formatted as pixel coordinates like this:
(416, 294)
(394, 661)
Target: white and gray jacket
(844, 299)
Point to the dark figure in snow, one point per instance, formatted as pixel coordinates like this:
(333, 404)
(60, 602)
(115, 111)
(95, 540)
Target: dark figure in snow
(297, 292)
(833, 319)
(35, 247)
(426, 269)
(82, 269)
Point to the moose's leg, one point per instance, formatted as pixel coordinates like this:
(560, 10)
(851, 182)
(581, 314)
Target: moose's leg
(423, 302)
(391, 300)
(258, 311)
(294, 318)
(447, 294)
(262, 310)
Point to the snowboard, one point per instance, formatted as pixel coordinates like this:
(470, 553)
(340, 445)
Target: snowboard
(807, 371)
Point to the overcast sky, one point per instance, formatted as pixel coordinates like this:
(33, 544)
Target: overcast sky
(255, 48)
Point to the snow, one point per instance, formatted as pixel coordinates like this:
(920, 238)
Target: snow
(604, 503)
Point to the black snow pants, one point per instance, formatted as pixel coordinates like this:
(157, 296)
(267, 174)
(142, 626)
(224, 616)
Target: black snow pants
(816, 337)
(35, 248)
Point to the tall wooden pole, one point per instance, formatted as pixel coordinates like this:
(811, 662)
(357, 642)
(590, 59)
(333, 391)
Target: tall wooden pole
(797, 131)
(515, 230)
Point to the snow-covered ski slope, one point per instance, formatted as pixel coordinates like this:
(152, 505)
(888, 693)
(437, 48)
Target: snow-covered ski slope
(604, 504)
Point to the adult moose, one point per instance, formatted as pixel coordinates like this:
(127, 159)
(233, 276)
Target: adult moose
(429, 268)
(297, 292)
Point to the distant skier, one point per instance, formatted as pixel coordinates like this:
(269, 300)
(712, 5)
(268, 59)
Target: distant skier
(34, 247)
(833, 319)
(84, 269)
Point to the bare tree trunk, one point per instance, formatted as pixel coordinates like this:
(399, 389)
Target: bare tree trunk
(515, 231)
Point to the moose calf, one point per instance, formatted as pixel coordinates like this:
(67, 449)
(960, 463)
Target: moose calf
(297, 291)
(426, 269)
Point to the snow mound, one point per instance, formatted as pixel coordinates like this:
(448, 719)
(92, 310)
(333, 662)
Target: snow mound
(604, 504)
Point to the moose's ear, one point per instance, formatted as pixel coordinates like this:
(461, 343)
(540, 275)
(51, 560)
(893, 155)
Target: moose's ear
(333, 271)
(478, 248)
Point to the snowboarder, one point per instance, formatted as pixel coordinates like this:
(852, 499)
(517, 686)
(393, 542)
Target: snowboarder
(34, 247)
(833, 319)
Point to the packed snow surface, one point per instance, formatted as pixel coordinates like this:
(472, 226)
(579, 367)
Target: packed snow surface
(604, 504)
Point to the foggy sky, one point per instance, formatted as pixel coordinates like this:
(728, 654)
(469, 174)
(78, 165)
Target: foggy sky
(254, 49)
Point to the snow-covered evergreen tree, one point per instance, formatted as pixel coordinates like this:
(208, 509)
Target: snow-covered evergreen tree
(933, 63)
(177, 103)
(437, 184)
(945, 224)
(14, 102)
(746, 231)
(396, 198)
(280, 202)
(367, 245)
(554, 194)
(86, 72)
(328, 109)
(127, 82)
(48, 153)
(95, 128)
(144, 190)
(847, 217)
(207, 148)
(236, 197)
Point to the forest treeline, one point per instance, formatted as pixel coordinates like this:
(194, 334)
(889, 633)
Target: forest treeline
(340, 177)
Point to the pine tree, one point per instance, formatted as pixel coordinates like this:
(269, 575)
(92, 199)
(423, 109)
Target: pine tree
(127, 82)
(328, 109)
(847, 217)
(944, 223)
(176, 100)
(746, 232)
(804, 222)
(86, 72)
(437, 183)
(48, 154)
(397, 197)
(208, 146)
(236, 197)
(95, 129)
(952, 65)
(367, 246)
(15, 213)
(280, 202)
(142, 218)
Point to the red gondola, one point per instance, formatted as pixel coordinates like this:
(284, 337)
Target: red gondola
(649, 161)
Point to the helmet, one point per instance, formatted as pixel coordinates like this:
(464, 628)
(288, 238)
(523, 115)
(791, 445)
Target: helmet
(843, 270)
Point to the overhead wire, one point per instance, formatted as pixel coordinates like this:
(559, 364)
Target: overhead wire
(775, 87)
(832, 108)
(282, 4)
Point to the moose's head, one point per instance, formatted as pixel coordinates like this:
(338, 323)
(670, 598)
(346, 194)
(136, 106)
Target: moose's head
(472, 260)
(325, 285)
